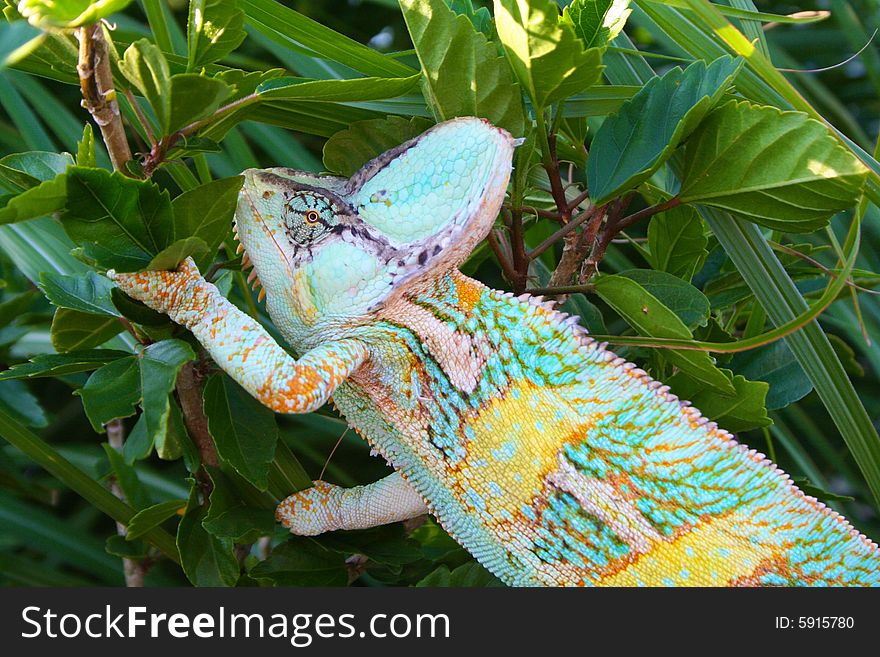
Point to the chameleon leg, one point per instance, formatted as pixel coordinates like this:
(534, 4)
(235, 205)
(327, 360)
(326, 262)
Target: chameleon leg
(327, 507)
(240, 345)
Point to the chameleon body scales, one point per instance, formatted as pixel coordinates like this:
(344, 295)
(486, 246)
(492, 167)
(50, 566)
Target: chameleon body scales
(550, 459)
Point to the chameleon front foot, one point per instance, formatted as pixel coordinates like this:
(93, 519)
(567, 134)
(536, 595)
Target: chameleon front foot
(326, 507)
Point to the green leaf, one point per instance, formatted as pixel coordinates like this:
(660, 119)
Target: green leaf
(18, 403)
(633, 142)
(160, 364)
(57, 365)
(597, 22)
(229, 516)
(47, 197)
(193, 97)
(145, 67)
(647, 315)
(819, 493)
(300, 561)
(132, 488)
(777, 365)
(152, 516)
(137, 312)
(119, 547)
(86, 155)
(682, 298)
(741, 412)
(468, 575)
(111, 392)
(12, 309)
(173, 255)
(464, 74)
(138, 444)
(348, 150)
(21, 171)
(72, 330)
(206, 211)
(206, 559)
(121, 223)
(68, 13)
(244, 430)
(677, 242)
(779, 169)
(87, 293)
(214, 28)
(548, 58)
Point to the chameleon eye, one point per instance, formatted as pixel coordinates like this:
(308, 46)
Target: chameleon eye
(312, 217)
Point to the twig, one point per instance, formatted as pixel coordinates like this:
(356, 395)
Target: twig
(562, 232)
(133, 569)
(562, 289)
(626, 222)
(500, 253)
(99, 95)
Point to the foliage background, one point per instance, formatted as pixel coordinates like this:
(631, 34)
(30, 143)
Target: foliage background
(52, 536)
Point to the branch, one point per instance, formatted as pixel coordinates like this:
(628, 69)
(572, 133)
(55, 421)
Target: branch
(189, 392)
(99, 95)
(133, 569)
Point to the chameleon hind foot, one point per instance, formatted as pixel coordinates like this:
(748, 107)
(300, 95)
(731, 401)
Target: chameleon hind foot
(327, 507)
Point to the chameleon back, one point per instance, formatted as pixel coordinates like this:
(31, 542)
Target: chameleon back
(556, 463)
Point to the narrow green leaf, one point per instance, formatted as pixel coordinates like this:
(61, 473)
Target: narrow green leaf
(780, 169)
(244, 430)
(152, 516)
(633, 143)
(650, 317)
(57, 365)
(73, 330)
(464, 74)
(77, 480)
(214, 28)
(291, 27)
(548, 58)
(87, 293)
(348, 150)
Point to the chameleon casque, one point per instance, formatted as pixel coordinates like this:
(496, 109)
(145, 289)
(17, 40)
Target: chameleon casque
(553, 461)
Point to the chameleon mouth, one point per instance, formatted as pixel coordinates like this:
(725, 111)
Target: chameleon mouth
(246, 264)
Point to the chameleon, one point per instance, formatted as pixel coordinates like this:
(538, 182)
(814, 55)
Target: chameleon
(550, 459)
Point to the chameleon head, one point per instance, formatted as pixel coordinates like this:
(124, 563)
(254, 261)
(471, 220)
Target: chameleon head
(332, 251)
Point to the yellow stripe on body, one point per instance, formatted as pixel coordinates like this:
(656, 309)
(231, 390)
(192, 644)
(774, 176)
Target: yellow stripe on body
(715, 553)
